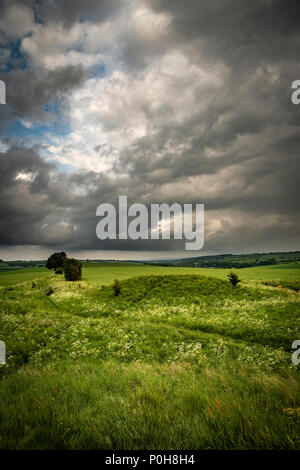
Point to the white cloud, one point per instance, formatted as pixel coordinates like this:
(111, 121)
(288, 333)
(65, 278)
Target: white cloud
(3, 146)
(90, 43)
(27, 177)
(51, 47)
(147, 23)
(108, 115)
(27, 124)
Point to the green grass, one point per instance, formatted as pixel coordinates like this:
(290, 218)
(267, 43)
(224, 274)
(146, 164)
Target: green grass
(12, 277)
(177, 361)
(107, 405)
(106, 273)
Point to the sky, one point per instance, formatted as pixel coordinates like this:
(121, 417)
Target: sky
(160, 100)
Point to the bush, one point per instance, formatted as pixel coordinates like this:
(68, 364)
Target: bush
(233, 279)
(72, 269)
(49, 291)
(117, 287)
(59, 271)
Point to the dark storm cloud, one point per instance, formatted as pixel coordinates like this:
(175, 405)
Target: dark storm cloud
(258, 139)
(40, 206)
(22, 202)
(234, 146)
(245, 31)
(28, 91)
(71, 11)
(36, 201)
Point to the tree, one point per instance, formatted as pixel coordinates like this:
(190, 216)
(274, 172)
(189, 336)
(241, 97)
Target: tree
(56, 261)
(72, 269)
(233, 279)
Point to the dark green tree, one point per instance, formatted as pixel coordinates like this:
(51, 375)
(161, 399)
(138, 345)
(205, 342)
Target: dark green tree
(233, 279)
(56, 261)
(72, 269)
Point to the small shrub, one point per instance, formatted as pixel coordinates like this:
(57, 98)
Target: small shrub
(117, 287)
(233, 279)
(59, 271)
(49, 291)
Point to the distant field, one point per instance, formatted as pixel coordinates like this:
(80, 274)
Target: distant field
(106, 273)
(22, 275)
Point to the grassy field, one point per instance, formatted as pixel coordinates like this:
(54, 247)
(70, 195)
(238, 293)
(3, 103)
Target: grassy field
(179, 360)
(20, 275)
(106, 273)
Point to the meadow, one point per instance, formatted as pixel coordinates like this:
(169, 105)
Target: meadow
(17, 276)
(179, 360)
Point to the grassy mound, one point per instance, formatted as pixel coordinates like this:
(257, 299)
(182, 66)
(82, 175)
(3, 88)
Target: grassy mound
(169, 289)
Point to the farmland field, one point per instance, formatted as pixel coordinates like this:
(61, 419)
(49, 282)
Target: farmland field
(105, 273)
(112, 271)
(21, 275)
(179, 360)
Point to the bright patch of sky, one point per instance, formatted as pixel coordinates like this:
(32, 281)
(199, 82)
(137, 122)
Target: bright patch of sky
(94, 123)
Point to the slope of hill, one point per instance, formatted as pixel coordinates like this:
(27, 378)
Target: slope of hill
(233, 261)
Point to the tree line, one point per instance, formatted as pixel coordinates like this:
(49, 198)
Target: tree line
(70, 267)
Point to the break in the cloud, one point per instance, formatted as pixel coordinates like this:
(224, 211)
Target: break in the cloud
(162, 101)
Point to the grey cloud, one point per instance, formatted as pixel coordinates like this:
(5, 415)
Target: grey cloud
(29, 90)
(238, 154)
(265, 29)
(50, 210)
(71, 11)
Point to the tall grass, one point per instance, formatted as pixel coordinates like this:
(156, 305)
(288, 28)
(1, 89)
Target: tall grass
(108, 405)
